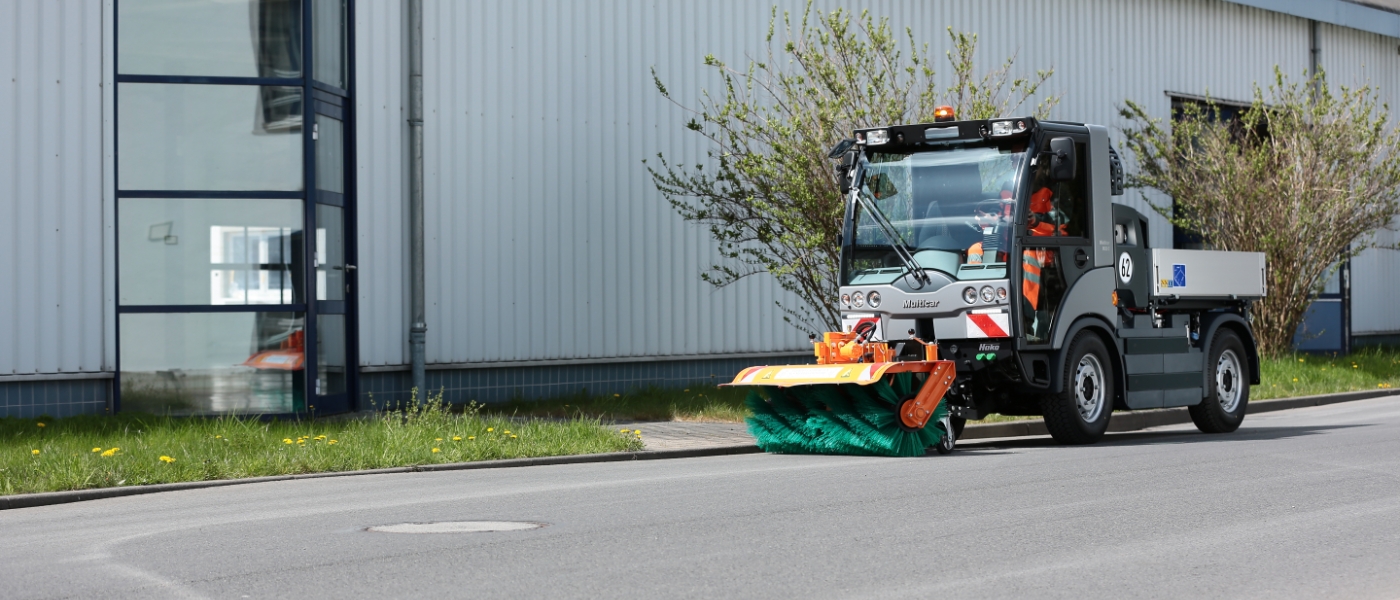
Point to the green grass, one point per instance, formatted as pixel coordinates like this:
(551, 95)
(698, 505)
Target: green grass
(1309, 374)
(700, 403)
(77, 452)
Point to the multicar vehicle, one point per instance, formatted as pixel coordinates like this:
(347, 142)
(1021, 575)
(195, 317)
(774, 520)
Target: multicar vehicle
(986, 269)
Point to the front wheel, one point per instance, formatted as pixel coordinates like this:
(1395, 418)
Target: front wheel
(1079, 413)
(1227, 381)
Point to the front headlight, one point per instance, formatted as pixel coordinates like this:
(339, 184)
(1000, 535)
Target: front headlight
(846, 299)
(987, 293)
(858, 300)
(969, 295)
(1001, 293)
(874, 299)
(877, 137)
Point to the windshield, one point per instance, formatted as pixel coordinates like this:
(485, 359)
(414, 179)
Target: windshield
(952, 209)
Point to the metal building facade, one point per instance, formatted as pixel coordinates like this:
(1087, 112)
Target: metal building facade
(546, 239)
(55, 162)
(547, 244)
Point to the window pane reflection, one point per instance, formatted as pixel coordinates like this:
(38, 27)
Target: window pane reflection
(330, 253)
(209, 363)
(330, 354)
(328, 41)
(214, 38)
(209, 137)
(209, 251)
(330, 155)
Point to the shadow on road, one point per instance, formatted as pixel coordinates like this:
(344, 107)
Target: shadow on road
(1184, 436)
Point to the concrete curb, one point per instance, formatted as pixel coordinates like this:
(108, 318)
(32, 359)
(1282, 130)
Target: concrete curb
(1134, 421)
(1122, 422)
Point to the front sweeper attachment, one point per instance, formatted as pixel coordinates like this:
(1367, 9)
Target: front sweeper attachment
(844, 406)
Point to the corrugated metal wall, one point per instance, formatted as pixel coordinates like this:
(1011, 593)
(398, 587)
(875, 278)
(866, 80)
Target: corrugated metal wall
(52, 165)
(381, 163)
(1355, 58)
(546, 239)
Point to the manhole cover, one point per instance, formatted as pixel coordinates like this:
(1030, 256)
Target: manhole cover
(456, 527)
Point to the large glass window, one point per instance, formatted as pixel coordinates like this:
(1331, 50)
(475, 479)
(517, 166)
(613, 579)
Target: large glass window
(328, 37)
(212, 38)
(196, 363)
(228, 265)
(203, 251)
(209, 137)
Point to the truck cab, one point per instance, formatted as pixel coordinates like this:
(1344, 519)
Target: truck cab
(999, 239)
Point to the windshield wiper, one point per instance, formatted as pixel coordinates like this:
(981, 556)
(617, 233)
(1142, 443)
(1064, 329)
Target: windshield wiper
(896, 242)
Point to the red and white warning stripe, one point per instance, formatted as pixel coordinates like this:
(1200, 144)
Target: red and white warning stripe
(988, 325)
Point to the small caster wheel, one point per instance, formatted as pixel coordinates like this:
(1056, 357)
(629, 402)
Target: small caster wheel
(949, 439)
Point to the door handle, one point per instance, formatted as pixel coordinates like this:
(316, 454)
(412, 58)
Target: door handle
(1081, 257)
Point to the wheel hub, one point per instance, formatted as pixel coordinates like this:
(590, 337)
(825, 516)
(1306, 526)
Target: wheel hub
(1227, 381)
(1088, 388)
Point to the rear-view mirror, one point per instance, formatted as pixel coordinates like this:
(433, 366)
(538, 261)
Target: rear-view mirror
(1063, 163)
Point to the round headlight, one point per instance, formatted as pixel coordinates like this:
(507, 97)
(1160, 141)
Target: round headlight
(858, 300)
(969, 295)
(987, 293)
(846, 299)
(874, 299)
(1001, 293)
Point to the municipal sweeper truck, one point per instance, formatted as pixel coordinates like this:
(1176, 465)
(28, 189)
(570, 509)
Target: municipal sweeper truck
(986, 269)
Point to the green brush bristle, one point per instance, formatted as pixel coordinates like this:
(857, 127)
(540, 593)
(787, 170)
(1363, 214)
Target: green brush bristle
(840, 419)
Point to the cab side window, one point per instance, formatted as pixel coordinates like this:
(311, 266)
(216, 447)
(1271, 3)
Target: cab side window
(1059, 208)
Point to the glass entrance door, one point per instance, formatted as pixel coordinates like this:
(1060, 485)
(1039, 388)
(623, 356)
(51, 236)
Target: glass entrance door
(335, 273)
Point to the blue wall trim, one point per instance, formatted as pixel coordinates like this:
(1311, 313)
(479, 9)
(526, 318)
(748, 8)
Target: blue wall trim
(493, 385)
(1335, 12)
(58, 398)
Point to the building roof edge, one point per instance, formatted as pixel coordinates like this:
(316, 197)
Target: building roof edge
(1335, 12)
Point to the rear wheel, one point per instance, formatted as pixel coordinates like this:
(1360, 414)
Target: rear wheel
(1227, 386)
(1079, 414)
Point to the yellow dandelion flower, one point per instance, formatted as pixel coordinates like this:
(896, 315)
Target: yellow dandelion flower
(110, 453)
(1354, 366)
(35, 452)
(490, 429)
(507, 432)
(332, 442)
(40, 424)
(97, 449)
(218, 437)
(456, 438)
(436, 450)
(300, 442)
(623, 430)
(617, 395)
(471, 437)
(286, 440)
(637, 431)
(437, 439)
(512, 437)
(166, 459)
(1295, 380)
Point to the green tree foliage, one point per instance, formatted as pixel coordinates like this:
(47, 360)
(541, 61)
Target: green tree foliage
(770, 197)
(1307, 176)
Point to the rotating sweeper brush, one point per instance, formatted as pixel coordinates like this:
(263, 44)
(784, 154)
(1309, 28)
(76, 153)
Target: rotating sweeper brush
(855, 400)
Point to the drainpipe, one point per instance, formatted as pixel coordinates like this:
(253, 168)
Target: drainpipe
(418, 331)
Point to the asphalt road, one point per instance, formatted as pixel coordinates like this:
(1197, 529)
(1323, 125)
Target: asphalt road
(1301, 503)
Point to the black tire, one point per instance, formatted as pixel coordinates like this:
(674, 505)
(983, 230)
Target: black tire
(958, 424)
(1227, 386)
(1079, 414)
(947, 442)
